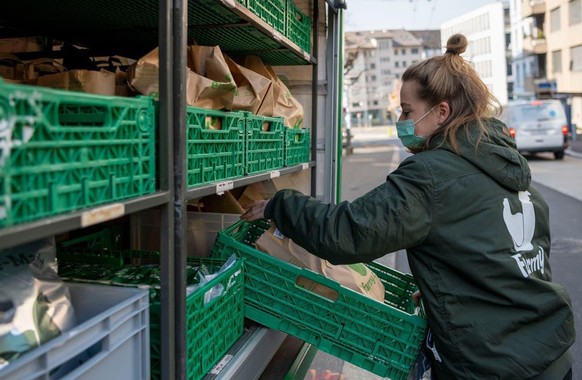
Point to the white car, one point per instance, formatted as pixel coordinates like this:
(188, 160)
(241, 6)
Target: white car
(537, 126)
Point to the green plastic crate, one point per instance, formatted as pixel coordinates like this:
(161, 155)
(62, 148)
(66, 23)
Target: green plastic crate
(270, 11)
(381, 338)
(211, 328)
(264, 143)
(297, 145)
(214, 154)
(62, 151)
(298, 27)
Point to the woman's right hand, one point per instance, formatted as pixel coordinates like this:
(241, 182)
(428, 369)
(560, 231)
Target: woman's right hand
(255, 210)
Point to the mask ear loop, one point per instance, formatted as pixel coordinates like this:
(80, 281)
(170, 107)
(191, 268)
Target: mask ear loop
(427, 112)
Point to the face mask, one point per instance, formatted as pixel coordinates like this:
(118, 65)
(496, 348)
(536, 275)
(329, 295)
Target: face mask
(405, 130)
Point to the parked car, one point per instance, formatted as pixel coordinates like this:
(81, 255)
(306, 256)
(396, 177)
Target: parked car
(537, 126)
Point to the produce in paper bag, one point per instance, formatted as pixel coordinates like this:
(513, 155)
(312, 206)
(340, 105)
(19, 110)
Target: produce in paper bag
(285, 104)
(212, 84)
(357, 277)
(251, 88)
(35, 305)
(100, 82)
(254, 63)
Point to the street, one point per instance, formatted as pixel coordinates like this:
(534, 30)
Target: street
(377, 153)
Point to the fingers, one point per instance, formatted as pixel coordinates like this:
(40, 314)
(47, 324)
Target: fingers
(254, 211)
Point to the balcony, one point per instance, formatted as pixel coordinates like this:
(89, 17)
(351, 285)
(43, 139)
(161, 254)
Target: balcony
(532, 7)
(535, 44)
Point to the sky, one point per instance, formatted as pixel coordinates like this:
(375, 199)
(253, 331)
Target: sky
(405, 14)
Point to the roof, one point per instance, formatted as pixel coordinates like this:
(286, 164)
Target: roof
(430, 39)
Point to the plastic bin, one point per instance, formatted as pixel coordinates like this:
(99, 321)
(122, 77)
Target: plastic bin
(62, 151)
(212, 327)
(381, 338)
(264, 143)
(111, 340)
(215, 145)
(298, 27)
(297, 145)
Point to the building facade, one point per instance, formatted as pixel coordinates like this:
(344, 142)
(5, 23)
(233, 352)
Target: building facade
(485, 29)
(377, 61)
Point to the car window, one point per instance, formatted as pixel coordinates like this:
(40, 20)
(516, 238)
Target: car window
(535, 112)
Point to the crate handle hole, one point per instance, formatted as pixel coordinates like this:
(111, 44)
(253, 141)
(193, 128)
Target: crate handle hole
(266, 126)
(213, 123)
(83, 115)
(316, 288)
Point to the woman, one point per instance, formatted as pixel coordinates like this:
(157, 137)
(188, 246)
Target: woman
(475, 230)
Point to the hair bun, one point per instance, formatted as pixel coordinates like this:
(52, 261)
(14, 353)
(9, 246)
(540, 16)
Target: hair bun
(456, 44)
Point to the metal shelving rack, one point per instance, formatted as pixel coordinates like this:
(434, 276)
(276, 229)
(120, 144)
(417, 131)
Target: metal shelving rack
(131, 29)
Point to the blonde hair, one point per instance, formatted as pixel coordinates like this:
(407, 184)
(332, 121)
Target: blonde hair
(451, 79)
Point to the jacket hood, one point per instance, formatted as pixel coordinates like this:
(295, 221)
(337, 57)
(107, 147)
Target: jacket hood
(496, 154)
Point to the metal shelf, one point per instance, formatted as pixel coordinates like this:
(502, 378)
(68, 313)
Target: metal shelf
(22, 233)
(249, 355)
(220, 187)
(130, 28)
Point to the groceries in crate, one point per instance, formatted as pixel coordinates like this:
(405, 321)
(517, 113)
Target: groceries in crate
(355, 276)
(35, 305)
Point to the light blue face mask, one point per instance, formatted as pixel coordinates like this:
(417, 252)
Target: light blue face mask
(405, 130)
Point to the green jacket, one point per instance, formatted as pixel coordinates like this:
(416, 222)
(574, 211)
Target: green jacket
(478, 241)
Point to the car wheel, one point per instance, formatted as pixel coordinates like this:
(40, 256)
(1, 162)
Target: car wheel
(559, 154)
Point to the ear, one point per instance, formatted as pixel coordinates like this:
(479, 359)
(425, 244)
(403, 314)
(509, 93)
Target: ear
(444, 111)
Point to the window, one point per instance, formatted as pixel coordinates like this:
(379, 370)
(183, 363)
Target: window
(403, 51)
(576, 58)
(403, 63)
(397, 64)
(557, 61)
(395, 51)
(575, 11)
(555, 19)
(414, 50)
(372, 66)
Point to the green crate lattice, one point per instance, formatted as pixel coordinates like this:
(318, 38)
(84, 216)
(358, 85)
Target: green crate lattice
(298, 27)
(297, 145)
(214, 155)
(211, 328)
(264, 143)
(381, 338)
(270, 11)
(63, 151)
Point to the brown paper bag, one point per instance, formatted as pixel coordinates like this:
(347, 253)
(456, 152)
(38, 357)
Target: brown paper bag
(11, 68)
(286, 105)
(357, 277)
(41, 67)
(212, 85)
(267, 107)
(100, 82)
(251, 88)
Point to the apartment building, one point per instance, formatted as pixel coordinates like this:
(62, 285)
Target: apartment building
(485, 28)
(376, 61)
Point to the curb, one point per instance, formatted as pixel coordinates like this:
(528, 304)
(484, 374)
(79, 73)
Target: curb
(572, 153)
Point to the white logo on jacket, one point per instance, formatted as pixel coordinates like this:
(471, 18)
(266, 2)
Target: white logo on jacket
(521, 227)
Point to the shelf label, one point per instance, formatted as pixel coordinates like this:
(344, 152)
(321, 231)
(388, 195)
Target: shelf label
(102, 214)
(220, 365)
(224, 186)
(305, 166)
(275, 174)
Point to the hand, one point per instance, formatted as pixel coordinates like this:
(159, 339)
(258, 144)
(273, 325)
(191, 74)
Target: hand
(255, 210)
(416, 297)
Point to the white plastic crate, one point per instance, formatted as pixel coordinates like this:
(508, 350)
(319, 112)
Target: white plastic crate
(110, 340)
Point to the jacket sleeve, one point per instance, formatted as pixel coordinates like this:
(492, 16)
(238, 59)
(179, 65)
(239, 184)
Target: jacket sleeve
(393, 216)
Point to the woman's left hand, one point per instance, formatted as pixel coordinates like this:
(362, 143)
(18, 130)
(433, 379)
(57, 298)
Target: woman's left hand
(255, 210)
